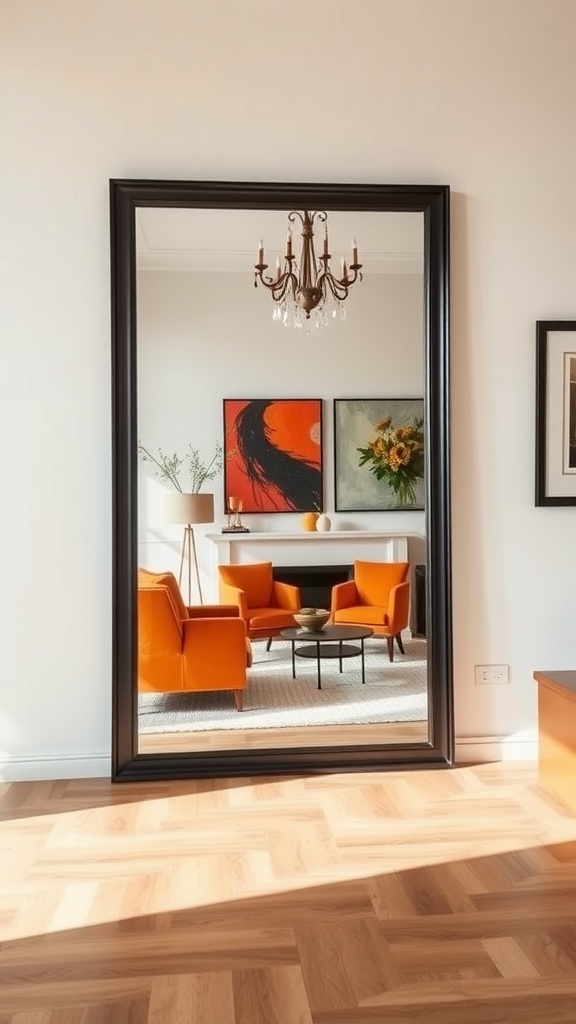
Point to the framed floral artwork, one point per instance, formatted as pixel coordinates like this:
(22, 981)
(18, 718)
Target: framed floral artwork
(556, 412)
(378, 454)
(273, 454)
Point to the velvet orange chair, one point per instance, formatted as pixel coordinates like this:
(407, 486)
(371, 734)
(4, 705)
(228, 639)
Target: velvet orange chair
(196, 648)
(265, 604)
(378, 596)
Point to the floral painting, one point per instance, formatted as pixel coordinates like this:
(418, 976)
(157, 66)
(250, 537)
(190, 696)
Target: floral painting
(273, 454)
(379, 450)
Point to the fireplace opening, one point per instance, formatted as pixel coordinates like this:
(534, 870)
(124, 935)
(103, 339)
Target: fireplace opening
(315, 581)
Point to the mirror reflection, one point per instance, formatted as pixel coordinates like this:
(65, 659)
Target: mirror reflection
(281, 468)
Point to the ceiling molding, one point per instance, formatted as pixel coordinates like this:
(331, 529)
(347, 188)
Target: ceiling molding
(222, 262)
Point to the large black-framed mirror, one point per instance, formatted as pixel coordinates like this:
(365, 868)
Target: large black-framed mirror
(431, 203)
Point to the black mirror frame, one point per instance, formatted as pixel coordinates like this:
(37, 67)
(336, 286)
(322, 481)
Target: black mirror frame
(434, 202)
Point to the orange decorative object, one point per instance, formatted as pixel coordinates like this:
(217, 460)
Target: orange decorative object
(308, 521)
(266, 605)
(182, 647)
(378, 596)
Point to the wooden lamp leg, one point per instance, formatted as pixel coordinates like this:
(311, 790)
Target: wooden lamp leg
(182, 557)
(193, 543)
(189, 552)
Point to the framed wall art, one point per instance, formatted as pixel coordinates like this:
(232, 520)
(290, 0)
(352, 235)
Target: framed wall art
(379, 454)
(273, 454)
(556, 412)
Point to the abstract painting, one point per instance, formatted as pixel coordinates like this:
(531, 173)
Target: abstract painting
(273, 454)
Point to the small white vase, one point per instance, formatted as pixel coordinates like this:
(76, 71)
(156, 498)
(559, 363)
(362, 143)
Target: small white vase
(323, 523)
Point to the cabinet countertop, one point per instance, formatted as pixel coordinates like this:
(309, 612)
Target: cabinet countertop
(560, 680)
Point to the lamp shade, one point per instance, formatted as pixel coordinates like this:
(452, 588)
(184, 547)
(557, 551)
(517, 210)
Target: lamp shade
(189, 508)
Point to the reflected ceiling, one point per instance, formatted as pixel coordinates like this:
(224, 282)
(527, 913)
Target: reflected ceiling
(227, 240)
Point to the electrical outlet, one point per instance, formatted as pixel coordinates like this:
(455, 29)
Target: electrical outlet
(491, 675)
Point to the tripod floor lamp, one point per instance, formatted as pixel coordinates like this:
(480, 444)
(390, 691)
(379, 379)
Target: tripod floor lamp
(189, 509)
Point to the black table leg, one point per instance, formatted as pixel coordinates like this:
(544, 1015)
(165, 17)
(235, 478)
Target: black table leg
(340, 654)
(318, 663)
(362, 659)
(293, 660)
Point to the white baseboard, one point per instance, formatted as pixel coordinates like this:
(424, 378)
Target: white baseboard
(55, 766)
(469, 750)
(482, 749)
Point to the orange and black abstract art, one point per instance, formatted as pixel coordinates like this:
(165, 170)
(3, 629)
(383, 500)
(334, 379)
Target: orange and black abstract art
(273, 454)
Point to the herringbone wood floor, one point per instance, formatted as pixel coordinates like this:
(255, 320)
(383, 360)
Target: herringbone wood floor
(427, 896)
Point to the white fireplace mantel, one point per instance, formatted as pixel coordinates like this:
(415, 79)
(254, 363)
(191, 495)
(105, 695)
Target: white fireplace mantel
(335, 547)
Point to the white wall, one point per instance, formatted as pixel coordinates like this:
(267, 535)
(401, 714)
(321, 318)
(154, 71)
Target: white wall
(476, 95)
(203, 337)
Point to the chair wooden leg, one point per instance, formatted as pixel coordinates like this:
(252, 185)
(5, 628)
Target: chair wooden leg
(239, 699)
(390, 643)
(269, 643)
(399, 642)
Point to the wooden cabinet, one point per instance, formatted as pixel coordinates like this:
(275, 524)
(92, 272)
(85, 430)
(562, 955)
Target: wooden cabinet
(557, 734)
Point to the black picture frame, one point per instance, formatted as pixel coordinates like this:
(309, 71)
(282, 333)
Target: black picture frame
(356, 488)
(555, 412)
(433, 202)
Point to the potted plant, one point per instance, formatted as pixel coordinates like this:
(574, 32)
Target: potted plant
(186, 507)
(186, 473)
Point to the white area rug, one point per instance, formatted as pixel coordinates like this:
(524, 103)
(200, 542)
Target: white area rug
(273, 700)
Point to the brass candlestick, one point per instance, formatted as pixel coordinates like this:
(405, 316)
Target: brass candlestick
(234, 508)
(231, 511)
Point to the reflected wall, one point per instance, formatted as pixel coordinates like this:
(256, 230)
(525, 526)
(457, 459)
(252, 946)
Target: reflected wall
(205, 334)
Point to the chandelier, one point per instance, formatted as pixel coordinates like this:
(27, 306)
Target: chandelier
(305, 291)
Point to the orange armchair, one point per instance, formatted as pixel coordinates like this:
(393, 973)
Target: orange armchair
(188, 648)
(378, 596)
(265, 604)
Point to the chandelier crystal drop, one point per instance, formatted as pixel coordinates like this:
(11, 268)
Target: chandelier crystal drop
(305, 292)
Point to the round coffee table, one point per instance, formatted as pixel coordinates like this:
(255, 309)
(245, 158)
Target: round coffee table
(329, 642)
